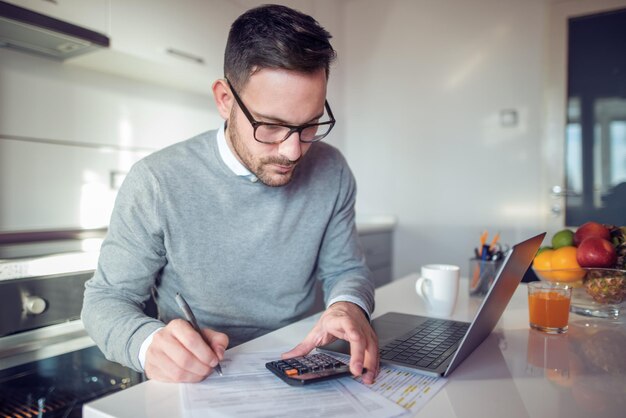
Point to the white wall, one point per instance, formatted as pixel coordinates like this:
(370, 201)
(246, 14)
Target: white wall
(417, 90)
(424, 85)
(58, 185)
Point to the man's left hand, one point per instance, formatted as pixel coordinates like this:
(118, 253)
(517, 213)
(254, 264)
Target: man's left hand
(347, 321)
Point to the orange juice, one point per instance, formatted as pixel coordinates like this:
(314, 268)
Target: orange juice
(550, 309)
(548, 306)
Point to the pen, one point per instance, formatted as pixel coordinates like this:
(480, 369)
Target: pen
(192, 319)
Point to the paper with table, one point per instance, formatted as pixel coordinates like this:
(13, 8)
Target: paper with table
(404, 386)
(248, 389)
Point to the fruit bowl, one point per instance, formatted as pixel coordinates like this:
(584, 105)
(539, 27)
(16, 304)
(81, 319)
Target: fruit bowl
(598, 292)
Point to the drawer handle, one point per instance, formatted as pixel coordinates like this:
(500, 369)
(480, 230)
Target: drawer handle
(182, 54)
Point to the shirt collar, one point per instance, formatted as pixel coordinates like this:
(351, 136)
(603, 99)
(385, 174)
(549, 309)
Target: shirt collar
(229, 158)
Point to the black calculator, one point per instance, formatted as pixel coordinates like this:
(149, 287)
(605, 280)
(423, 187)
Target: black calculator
(307, 369)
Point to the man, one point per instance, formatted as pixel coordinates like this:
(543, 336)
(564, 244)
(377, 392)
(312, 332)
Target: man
(241, 221)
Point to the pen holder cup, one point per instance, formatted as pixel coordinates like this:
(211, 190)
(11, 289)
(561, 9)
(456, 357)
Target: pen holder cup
(482, 273)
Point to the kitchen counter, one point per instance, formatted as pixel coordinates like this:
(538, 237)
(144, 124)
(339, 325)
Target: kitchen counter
(375, 223)
(515, 372)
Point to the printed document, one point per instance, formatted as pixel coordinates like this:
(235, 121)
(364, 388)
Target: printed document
(248, 389)
(404, 386)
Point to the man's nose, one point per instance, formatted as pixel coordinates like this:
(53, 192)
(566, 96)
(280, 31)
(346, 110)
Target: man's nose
(291, 148)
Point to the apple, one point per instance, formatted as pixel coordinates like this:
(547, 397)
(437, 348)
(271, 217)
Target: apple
(591, 229)
(596, 252)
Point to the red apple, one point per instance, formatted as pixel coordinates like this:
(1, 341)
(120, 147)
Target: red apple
(591, 229)
(596, 252)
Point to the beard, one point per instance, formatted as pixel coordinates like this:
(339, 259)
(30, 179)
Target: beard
(260, 167)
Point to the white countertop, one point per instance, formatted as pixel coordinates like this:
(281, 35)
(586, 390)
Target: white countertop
(515, 372)
(375, 223)
(87, 259)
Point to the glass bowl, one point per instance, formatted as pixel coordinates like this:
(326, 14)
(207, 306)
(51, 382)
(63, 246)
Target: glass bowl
(597, 292)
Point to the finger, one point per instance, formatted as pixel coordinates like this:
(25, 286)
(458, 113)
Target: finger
(168, 371)
(175, 345)
(357, 349)
(349, 332)
(218, 341)
(160, 366)
(194, 343)
(301, 349)
(372, 360)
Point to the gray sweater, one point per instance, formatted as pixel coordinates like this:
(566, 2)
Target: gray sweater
(244, 255)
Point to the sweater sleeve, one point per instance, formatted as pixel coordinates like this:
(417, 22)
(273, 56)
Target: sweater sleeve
(341, 262)
(131, 257)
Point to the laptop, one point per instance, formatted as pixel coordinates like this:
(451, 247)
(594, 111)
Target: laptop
(436, 346)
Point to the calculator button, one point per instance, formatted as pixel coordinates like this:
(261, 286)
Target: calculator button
(308, 369)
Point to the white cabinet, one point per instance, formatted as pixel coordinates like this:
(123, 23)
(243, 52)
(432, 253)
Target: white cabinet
(174, 43)
(91, 14)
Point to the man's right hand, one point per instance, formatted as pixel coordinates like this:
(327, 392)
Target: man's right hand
(179, 354)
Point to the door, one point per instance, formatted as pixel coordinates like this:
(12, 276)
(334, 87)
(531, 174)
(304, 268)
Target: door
(579, 179)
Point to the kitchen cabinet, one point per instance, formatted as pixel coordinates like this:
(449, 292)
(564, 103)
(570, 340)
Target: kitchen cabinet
(91, 14)
(377, 246)
(376, 238)
(178, 44)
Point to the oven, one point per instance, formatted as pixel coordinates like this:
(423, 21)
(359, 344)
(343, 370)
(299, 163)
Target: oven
(49, 366)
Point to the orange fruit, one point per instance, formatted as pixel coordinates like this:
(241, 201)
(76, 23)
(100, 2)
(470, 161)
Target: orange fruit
(543, 260)
(564, 265)
(543, 264)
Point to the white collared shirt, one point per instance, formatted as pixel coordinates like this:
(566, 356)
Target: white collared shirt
(229, 158)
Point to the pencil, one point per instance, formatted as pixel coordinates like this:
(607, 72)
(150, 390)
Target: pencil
(494, 242)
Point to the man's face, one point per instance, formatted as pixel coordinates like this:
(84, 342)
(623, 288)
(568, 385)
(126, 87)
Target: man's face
(275, 96)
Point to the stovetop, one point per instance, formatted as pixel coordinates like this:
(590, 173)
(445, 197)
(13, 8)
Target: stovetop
(59, 386)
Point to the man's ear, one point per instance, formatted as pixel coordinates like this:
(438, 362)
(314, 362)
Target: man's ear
(223, 98)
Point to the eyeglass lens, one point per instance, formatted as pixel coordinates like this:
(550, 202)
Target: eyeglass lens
(277, 133)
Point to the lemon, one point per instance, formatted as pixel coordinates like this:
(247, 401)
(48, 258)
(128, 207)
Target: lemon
(564, 238)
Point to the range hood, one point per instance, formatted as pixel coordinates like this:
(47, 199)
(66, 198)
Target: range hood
(33, 32)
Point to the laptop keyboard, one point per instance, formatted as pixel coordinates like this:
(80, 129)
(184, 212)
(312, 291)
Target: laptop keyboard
(428, 345)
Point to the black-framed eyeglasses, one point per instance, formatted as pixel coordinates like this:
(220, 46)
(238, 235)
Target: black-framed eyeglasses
(275, 133)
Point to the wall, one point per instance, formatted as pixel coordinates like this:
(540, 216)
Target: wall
(57, 123)
(417, 90)
(65, 130)
(425, 84)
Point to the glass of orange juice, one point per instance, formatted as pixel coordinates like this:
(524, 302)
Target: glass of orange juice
(548, 306)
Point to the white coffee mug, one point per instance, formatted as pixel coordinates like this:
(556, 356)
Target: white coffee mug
(439, 287)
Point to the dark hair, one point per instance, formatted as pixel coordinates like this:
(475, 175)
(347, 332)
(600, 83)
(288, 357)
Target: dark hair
(273, 36)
